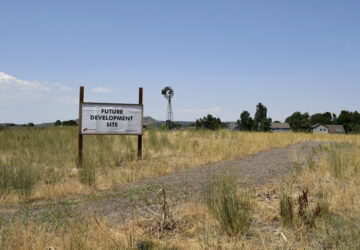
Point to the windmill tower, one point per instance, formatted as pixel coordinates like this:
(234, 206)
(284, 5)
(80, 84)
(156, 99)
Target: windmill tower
(168, 93)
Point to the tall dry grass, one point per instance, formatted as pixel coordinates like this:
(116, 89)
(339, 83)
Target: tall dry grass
(333, 183)
(332, 179)
(196, 228)
(110, 161)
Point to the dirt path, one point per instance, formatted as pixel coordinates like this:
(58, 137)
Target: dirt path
(184, 185)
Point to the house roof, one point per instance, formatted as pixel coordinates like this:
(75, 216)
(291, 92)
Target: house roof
(276, 125)
(335, 128)
(316, 125)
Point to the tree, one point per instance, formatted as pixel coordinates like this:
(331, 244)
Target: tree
(356, 128)
(350, 121)
(209, 122)
(246, 122)
(169, 124)
(345, 120)
(58, 123)
(334, 118)
(355, 118)
(299, 122)
(265, 124)
(328, 117)
(69, 123)
(325, 118)
(172, 125)
(261, 112)
(30, 124)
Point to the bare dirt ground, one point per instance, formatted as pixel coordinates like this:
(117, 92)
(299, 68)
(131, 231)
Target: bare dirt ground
(142, 197)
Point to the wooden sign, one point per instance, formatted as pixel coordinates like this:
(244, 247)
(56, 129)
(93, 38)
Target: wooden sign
(110, 119)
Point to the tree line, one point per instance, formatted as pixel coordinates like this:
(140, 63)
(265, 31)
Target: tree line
(303, 122)
(66, 123)
(246, 123)
(299, 122)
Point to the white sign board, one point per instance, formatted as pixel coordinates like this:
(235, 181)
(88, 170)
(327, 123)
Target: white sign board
(106, 118)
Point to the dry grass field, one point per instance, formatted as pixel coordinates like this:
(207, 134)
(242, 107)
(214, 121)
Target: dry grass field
(40, 165)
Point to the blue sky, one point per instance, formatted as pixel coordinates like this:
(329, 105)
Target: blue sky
(221, 57)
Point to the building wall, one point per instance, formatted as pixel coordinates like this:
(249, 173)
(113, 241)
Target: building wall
(337, 132)
(320, 130)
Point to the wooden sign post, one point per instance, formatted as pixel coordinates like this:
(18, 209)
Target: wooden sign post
(140, 136)
(110, 119)
(80, 144)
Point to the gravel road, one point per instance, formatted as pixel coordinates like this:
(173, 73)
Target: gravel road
(253, 171)
(142, 197)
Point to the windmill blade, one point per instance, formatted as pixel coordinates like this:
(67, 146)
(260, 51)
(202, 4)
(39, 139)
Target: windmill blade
(167, 92)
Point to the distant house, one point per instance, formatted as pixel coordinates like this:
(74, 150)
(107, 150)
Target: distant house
(280, 127)
(328, 129)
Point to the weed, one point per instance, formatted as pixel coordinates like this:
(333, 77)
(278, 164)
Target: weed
(286, 210)
(316, 213)
(303, 203)
(305, 219)
(233, 211)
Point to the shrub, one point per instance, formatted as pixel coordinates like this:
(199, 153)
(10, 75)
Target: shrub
(233, 211)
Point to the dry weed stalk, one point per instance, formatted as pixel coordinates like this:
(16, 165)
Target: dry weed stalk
(303, 203)
(316, 213)
(167, 222)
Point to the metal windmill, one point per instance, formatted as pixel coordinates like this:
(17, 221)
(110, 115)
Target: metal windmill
(168, 93)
